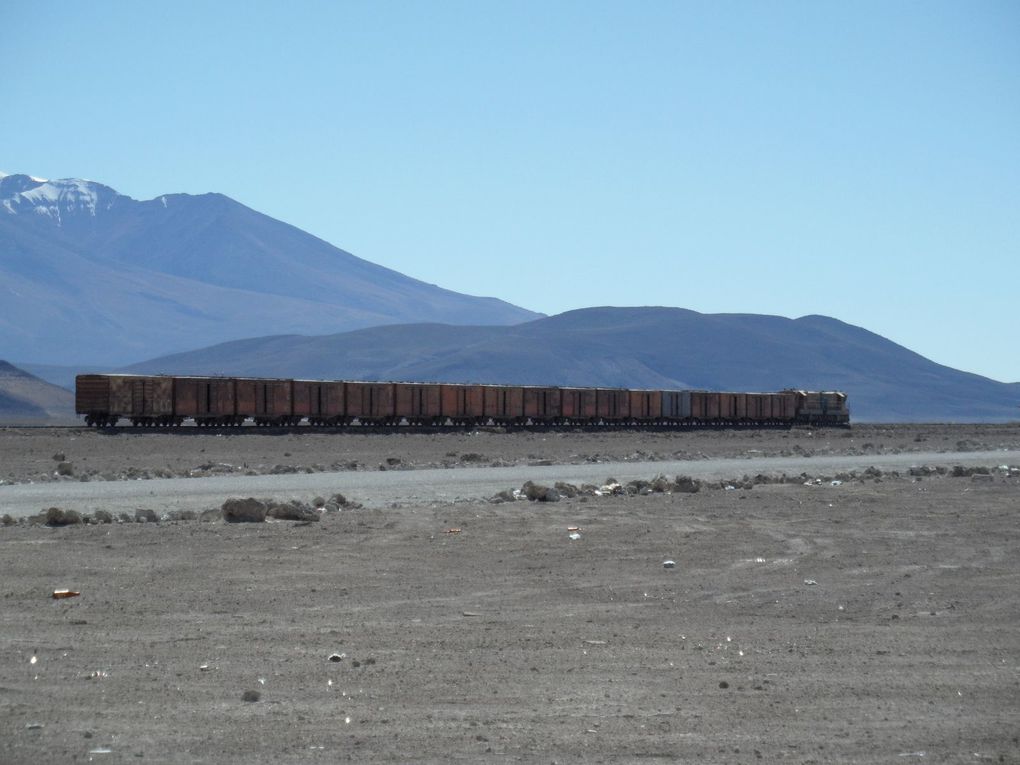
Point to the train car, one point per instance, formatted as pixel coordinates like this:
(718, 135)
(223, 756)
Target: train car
(462, 404)
(646, 406)
(727, 408)
(503, 404)
(821, 407)
(701, 406)
(370, 403)
(206, 400)
(542, 405)
(578, 406)
(740, 407)
(676, 407)
(612, 405)
(104, 399)
(418, 403)
(266, 401)
(784, 407)
(322, 402)
(756, 406)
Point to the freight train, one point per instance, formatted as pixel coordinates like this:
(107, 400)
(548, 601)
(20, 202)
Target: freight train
(169, 401)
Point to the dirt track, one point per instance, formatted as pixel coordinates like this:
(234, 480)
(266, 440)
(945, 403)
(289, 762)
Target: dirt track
(871, 621)
(27, 454)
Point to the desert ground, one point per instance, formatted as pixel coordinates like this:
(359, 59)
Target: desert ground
(34, 454)
(856, 618)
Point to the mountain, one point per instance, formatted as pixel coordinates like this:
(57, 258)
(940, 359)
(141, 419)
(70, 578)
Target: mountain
(90, 275)
(25, 398)
(632, 347)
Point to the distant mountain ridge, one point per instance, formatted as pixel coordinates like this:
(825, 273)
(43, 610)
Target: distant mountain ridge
(632, 347)
(91, 275)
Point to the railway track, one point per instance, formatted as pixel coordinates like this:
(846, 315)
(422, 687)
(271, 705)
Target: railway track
(375, 428)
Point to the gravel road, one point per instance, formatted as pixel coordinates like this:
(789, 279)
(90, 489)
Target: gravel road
(427, 486)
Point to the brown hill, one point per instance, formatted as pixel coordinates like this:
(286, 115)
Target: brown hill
(25, 398)
(639, 347)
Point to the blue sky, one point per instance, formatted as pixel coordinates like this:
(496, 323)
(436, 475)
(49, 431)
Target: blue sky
(859, 160)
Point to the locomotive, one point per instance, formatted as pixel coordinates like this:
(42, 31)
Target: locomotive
(168, 401)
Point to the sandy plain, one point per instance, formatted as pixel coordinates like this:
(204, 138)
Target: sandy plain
(875, 620)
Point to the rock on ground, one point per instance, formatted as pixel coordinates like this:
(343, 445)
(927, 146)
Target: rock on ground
(248, 510)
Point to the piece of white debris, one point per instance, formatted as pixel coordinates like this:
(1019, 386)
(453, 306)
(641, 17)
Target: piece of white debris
(669, 564)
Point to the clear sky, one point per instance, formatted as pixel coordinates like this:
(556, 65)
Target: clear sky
(859, 160)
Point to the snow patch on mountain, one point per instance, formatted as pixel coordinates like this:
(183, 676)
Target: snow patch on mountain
(53, 199)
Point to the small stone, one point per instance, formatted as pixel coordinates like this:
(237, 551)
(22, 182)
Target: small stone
(57, 517)
(144, 515)
(724, 685)
(568, 490)
(342, 502)
(293, 511)
(661, 485)
(539, 493)
(669, 564)
(686, 485)
(248, 510)
(251, 696)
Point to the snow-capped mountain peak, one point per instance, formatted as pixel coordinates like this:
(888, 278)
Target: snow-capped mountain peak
(56, 199)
